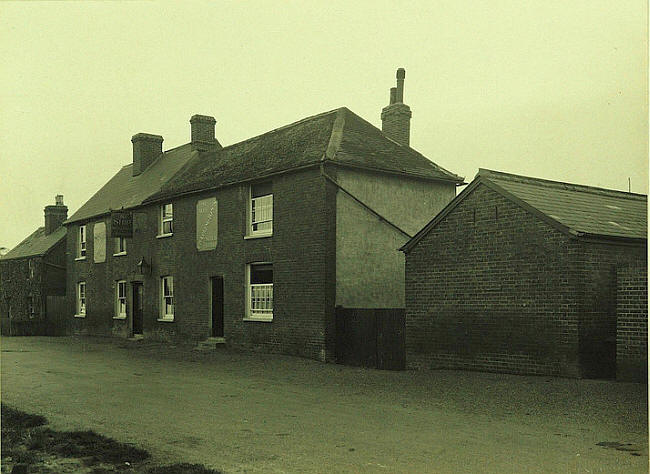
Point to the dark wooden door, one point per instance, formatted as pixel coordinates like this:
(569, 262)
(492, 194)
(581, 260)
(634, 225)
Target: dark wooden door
(217, 306)
(137, 308)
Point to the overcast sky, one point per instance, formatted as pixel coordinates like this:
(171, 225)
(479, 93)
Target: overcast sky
(551, 89)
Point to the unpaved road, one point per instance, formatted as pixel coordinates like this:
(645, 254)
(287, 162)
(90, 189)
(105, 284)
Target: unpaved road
(260, 413)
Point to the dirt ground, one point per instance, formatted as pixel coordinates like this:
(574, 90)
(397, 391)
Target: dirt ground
(259, 413)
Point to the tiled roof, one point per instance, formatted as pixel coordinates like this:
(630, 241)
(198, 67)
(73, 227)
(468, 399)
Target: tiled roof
(338, 136)
(36, 244)
(127, 191)
(583, 209)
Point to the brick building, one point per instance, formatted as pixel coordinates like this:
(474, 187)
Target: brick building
(520, 275)
(30, 273)
(255, 244)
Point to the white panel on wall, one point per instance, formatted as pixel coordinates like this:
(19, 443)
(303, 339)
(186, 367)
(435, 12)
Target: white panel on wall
(206, 224)
(99, 242)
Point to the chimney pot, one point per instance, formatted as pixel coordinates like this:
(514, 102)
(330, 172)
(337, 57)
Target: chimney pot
(146, 148)
(55, 215)
(393, 95)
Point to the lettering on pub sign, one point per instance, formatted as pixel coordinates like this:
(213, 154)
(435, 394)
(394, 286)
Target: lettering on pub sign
(121, 224)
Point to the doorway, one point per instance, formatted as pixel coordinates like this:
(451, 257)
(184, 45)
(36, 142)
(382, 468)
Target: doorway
(137, 307)
(216, 292)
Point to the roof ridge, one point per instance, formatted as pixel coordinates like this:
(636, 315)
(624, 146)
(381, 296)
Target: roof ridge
(158, 157)
(336, 135)
(275, 130)
(487, 173)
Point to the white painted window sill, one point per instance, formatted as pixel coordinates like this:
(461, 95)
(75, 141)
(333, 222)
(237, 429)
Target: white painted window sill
(166, 320)
(79, 315)
(163, 236)
(258, 236)
(123, 316)
(80, 258)
(260, 319)
(119, 254)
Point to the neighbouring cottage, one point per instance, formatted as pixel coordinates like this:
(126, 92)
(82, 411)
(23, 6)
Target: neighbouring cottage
(32, 279)
(525, 275)
(254, 244)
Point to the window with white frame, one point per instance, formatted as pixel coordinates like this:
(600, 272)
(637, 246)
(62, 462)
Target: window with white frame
(81, 298)
(167, 298)
(120, 246)
(30, 264)
(166, 219)
(260, 291)
(81, 242)
(261, 209)
(120, 299)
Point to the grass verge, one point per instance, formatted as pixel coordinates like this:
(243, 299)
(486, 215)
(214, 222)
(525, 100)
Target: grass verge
(28, 445)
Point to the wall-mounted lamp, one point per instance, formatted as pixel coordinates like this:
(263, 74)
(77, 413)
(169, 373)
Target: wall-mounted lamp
(144, 268)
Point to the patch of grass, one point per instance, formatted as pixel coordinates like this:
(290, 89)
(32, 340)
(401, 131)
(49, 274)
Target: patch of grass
(26, 441)
(17, 420)
(182, 468)
(88, 444)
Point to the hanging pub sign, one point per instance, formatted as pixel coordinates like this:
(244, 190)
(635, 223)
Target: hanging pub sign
(121, 224)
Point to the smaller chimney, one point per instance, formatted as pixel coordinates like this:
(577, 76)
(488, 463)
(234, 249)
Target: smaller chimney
(55, 215)
(401, 74)
(396, 116)
(203, 132)
(146, 148)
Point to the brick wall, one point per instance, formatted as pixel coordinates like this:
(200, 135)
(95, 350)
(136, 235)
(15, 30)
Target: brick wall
(596, 263)
(491, 288)
(16, 287)
(301, 250)
(632, 322)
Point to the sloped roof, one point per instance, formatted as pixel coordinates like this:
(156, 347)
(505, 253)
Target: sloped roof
(581, 211)
(127, 191)
(337, 136)
(36, 244)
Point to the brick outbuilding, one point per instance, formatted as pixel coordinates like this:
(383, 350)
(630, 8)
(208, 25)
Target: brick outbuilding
(520, 275)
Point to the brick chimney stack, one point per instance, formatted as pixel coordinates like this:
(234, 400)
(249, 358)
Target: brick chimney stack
(146, 148)
(396, 116)
(203, 132)
(55, 215)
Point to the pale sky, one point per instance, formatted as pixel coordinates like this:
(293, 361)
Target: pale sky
(543, 88)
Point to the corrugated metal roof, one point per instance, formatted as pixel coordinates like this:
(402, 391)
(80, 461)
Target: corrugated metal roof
(36, 244)
(126, 191)
(582, 209)
(338, 136)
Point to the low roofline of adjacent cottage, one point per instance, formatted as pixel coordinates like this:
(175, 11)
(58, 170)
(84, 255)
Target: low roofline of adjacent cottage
(612, 200)
(36, 244)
